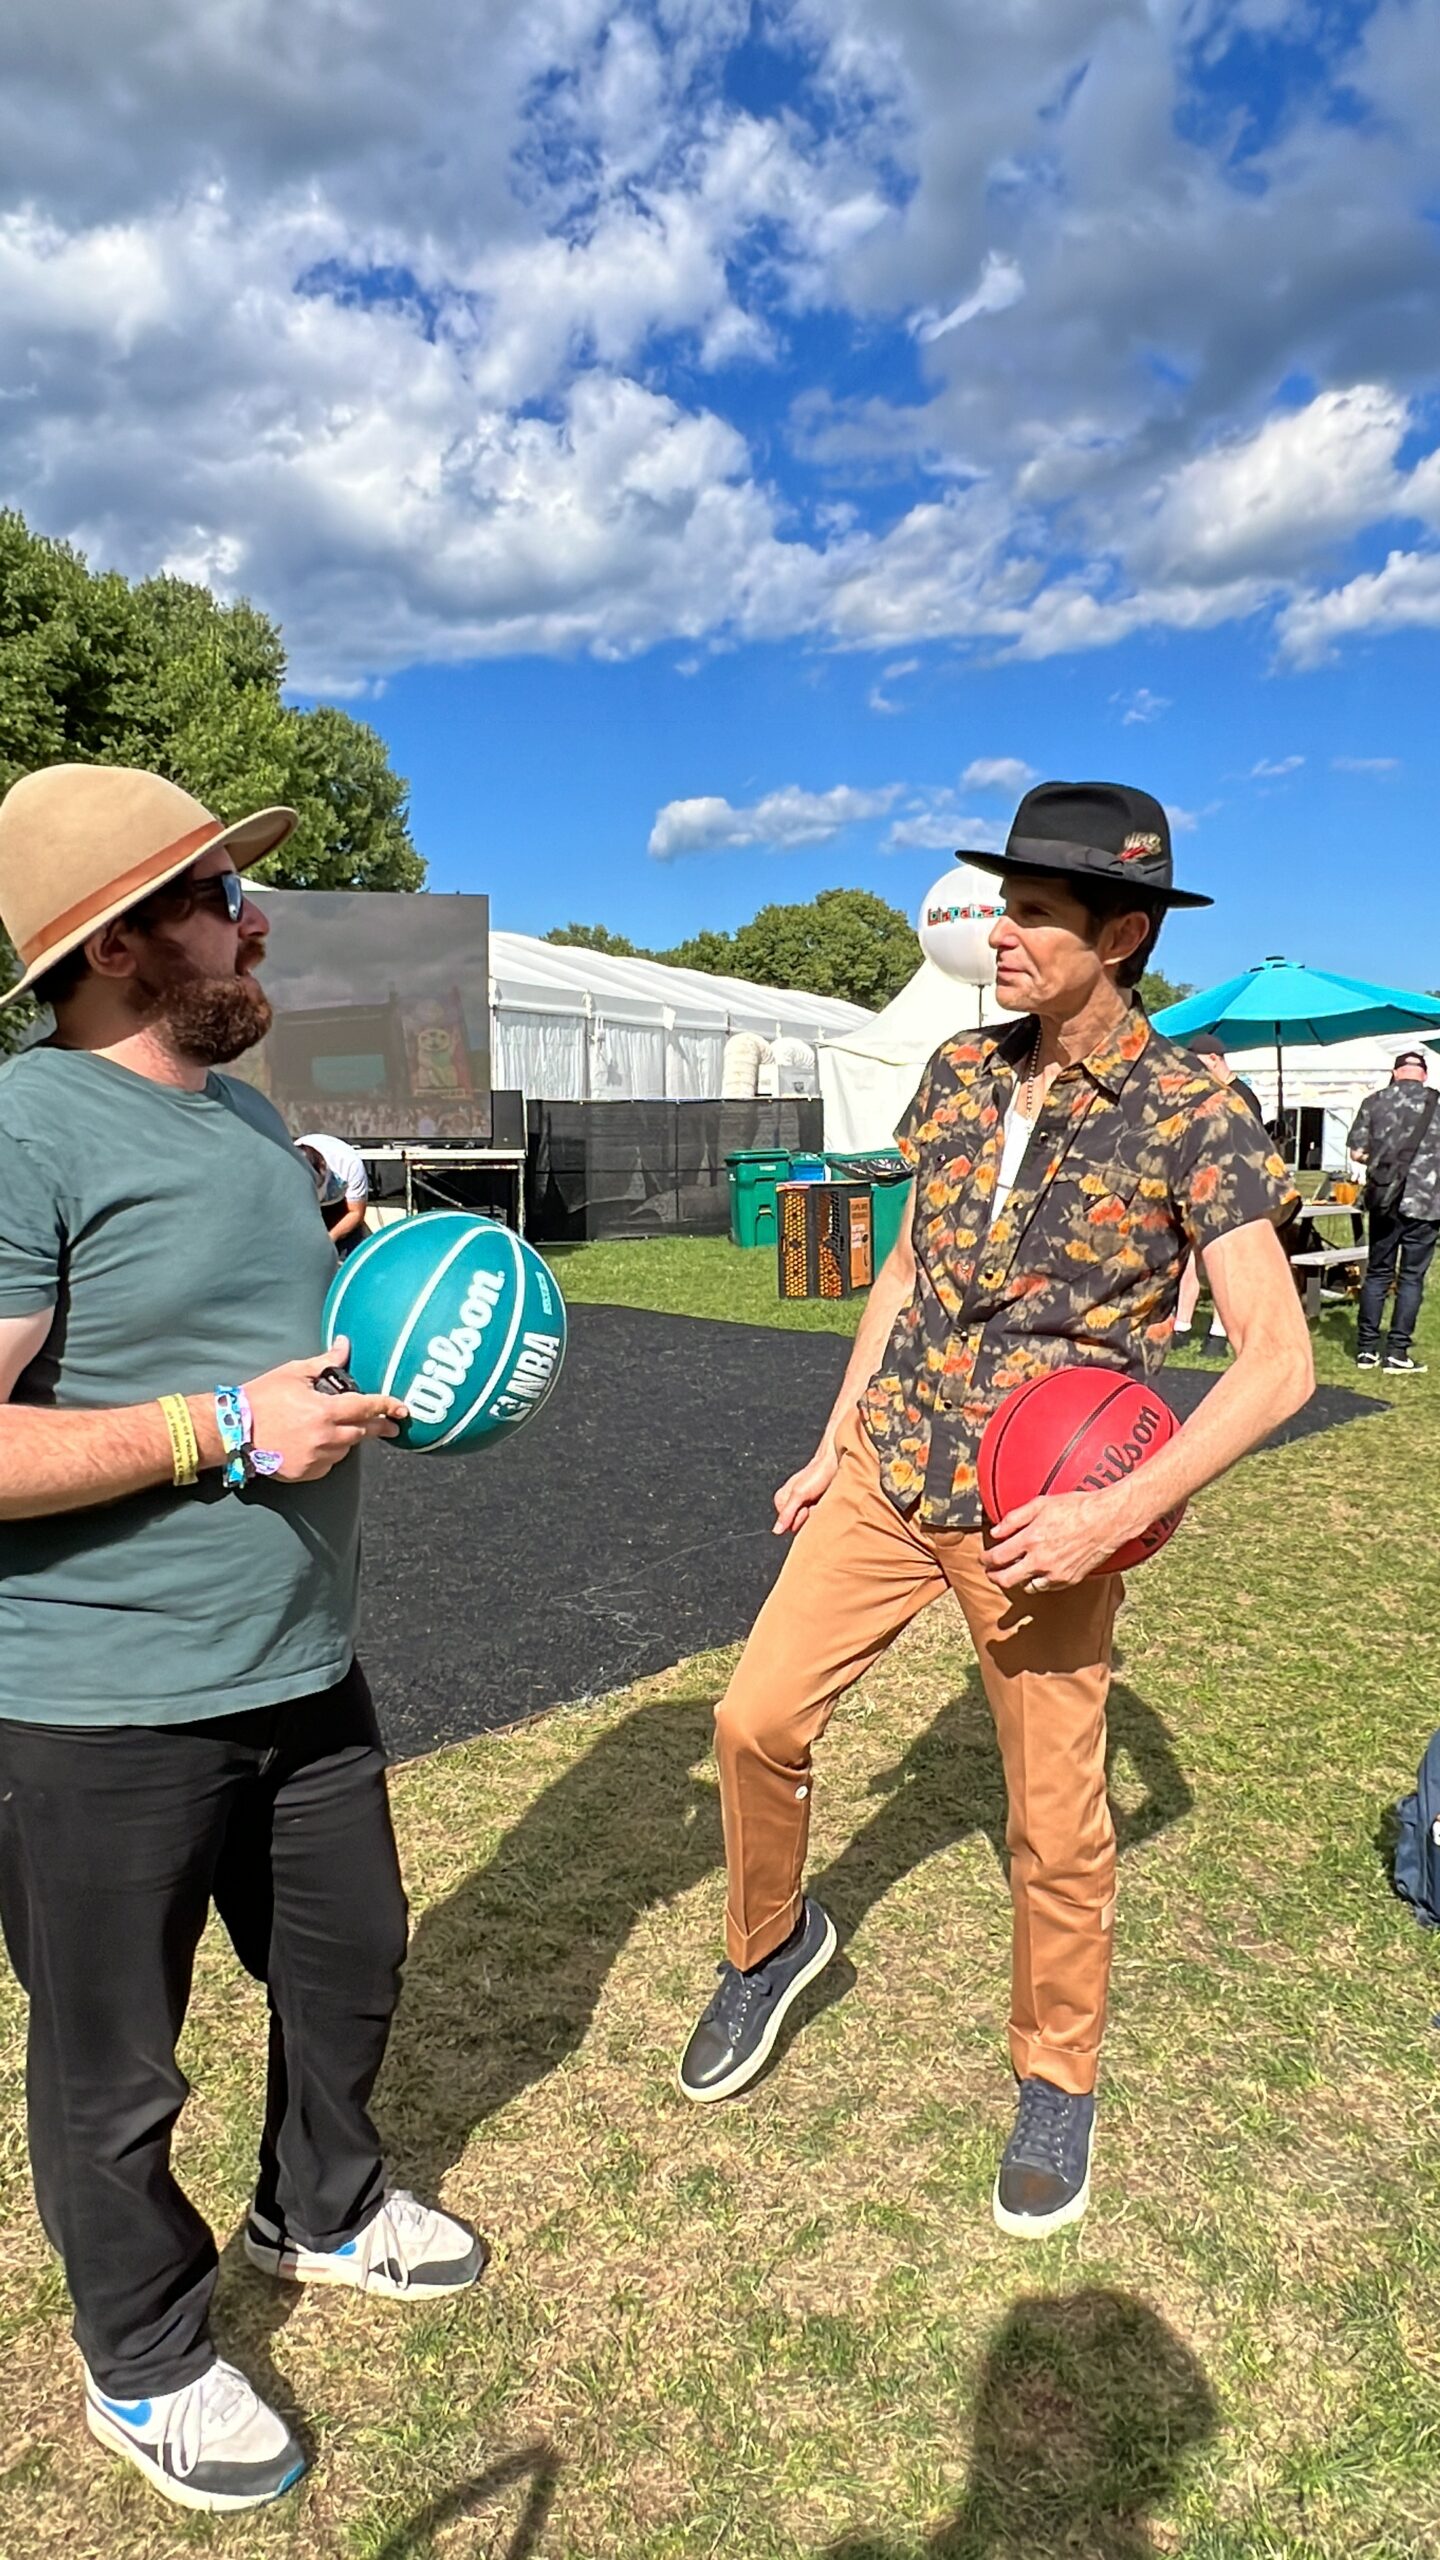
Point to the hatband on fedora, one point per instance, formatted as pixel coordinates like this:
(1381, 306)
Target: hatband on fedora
(1098, 830)
(79, 843)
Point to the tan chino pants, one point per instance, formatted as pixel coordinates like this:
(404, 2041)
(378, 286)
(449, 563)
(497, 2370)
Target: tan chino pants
(856, 1573)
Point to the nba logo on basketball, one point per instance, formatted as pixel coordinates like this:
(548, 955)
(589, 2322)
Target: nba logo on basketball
(457, 1317)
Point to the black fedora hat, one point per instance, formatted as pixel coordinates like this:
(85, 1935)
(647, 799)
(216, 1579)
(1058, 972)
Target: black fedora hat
(1096, 831)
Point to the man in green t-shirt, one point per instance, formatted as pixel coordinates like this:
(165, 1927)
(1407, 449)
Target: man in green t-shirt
(182, 1718)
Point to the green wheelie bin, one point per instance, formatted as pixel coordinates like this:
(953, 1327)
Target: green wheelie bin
(754, 1172)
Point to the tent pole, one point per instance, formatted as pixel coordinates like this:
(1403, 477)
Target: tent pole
(1280, 1092)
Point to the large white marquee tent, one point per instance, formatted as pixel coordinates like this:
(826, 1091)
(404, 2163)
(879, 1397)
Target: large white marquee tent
(869, 1073)
(570, 1025)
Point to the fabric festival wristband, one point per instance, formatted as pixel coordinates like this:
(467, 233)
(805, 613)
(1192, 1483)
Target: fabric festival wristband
(237, 1425)
(184, 1447)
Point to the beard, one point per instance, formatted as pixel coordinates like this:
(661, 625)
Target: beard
(209, 1021)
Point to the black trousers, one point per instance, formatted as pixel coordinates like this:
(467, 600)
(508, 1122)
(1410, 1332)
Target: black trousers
(1412, 1240)
(114, 1841)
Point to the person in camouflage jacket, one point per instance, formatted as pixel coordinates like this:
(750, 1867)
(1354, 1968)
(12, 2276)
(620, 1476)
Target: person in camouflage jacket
(1399, 1121)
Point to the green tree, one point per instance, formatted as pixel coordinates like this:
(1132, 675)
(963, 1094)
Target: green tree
(96, 671)
(712, 953)
(845, 942)
(1156, 990)
(597, 937)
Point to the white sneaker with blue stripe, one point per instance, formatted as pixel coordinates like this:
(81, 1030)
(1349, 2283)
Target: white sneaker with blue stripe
(408, 2251)
(213, 2444)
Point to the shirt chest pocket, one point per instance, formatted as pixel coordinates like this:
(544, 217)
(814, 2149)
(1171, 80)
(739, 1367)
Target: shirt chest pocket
(1107, 1203)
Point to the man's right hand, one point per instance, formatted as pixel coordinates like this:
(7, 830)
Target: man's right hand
(799, 1494)
(314, 1431)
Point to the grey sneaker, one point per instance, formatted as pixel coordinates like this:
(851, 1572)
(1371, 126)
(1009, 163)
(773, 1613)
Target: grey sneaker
(1044, 2179)
(737, 2029)
(407, 2251)
(213, 2444)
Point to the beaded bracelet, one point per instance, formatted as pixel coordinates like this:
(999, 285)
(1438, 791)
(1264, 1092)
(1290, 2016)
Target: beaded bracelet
(237, 1438)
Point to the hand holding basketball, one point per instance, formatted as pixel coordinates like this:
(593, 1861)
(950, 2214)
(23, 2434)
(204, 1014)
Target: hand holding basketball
(1055, 1540)
(314, 1432)
(1058, 1469)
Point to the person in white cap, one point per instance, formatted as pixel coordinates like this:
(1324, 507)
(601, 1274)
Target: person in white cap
(182, 1717)
(346, 1197)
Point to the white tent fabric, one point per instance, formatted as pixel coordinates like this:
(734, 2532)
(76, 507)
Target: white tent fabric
(869, 1074)
(1334, 1080)
(569, 1025)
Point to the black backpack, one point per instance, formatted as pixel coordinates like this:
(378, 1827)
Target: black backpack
(1416, 1870)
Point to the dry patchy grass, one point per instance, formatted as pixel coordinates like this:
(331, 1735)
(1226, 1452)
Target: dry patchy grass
(786, 2329)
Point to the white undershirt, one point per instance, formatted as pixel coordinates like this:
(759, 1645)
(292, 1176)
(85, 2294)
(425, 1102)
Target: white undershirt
(1017, 1139)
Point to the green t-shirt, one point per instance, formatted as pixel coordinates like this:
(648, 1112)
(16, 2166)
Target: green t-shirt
(177, 1237)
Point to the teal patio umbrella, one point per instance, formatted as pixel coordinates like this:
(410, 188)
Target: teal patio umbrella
(1298, 1008)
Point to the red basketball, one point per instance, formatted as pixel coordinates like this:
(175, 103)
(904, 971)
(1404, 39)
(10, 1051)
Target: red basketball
(1076, 1431)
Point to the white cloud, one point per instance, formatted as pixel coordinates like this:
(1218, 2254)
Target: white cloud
(427, 332)
(997, 773)
(878, 698)
(1183, 822)
(1403, 596)
(933, 822)
(1271, 768)
(1365, 764)
(783, 819)
(1264, 504)
(1001, 285)
(1140, 707)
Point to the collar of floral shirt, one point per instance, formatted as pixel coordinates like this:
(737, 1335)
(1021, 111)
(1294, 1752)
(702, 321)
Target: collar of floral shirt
(1108, 1064)
(988, 1251)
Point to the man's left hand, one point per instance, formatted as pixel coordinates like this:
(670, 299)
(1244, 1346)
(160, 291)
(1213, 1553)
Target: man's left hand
(1056, 1540)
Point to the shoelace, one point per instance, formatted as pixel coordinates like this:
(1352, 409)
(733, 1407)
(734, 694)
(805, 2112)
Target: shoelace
(384, 2237)
(220, 2397)
(1039, 2138)
(731, 2004)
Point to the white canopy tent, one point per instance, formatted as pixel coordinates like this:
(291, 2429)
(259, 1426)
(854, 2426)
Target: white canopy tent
(570, 1025)
(868, 1074)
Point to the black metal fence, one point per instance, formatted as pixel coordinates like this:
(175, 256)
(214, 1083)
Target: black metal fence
(649, 1168)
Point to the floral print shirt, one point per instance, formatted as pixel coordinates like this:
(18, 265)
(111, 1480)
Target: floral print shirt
(1138, 1155)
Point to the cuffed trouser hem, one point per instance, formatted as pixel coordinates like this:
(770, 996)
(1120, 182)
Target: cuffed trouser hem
(750, 1947)
(856, 1573)
(1064, 2066)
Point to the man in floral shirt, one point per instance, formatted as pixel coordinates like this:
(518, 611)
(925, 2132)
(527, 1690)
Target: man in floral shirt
(1062, 1172)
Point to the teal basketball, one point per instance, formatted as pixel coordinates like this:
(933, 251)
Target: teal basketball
(459, 1318)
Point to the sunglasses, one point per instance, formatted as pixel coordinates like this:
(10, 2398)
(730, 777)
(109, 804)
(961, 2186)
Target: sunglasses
(223, 893)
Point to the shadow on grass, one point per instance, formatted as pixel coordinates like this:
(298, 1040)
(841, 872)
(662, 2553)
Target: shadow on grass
(503, 1976)
(1086, 2412)
(537, 2463)
(949, 1783)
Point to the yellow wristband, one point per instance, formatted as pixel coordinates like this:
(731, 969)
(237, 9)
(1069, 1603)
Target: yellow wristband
(184, 1447)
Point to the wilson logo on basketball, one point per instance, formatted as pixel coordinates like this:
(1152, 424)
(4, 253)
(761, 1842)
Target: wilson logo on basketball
(450, 1357)
(1120, 1458)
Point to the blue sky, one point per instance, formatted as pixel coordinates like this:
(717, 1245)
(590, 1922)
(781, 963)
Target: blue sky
(725, 448)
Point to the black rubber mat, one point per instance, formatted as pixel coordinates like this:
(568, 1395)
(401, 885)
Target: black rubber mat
(626, 1527)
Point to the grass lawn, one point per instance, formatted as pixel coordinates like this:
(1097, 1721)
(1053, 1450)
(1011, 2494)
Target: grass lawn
(786, 2329)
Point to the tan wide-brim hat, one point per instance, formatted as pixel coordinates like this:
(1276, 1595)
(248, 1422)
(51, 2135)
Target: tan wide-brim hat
(79, 843)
